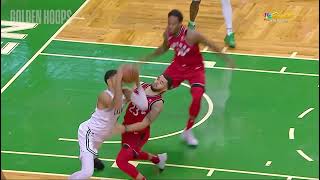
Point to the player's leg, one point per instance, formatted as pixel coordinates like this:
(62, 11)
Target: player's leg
(227, 13)
(98, 164)
(124, 156)
(177, 78)
(194, 8)
(159, 159)
(140, 141)
(87, 167)
(197, 82)
(87, 153)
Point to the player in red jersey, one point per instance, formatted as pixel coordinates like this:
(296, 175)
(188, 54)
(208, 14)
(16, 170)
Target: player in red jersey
(187, 64)
(136, 129)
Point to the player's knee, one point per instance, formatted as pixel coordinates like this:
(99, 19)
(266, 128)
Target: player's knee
(197, 92)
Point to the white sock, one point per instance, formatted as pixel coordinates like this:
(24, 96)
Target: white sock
(140, 99)
(87, 167)
(227, 13)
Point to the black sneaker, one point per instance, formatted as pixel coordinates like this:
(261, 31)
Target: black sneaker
(98, 164)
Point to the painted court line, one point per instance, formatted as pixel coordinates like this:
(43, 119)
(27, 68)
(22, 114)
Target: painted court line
(78, 18)
(160, 63)
(52, 174)
(151, 47)
(8, 48)
(209, 64)
(41, 49)
(268, 163)
(76, 140)
(293, 54)
(283, 69)
(224, 50)
(304, 155)
(168, 165)
(289, 178)
(210, 172)
(134, 163)
(205, 49)
(291, 133)
(305, 112)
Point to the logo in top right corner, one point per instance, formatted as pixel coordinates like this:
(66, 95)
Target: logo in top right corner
(277, 17)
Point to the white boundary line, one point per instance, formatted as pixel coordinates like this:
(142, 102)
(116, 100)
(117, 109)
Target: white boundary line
(152, 47)
(41, 49)
(160, 63)
(291, 133)
(304, 155)
(305, 112)
(168, 165)
(51, 174)
(208, 114)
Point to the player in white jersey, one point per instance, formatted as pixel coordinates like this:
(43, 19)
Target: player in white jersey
(94, 131)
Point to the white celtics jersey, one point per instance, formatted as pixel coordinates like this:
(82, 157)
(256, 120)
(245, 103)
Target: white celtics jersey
(103, 120)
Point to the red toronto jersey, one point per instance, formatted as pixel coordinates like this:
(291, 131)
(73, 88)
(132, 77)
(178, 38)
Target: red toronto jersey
(185, 54)
(134, 114)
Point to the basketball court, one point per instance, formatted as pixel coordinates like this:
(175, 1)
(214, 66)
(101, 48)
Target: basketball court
(258, 121)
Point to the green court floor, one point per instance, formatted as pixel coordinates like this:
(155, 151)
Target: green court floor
(266, 109)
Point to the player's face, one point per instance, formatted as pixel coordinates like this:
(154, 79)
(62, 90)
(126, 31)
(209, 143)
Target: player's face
(173, 24)
(160, 84)
(111, 81)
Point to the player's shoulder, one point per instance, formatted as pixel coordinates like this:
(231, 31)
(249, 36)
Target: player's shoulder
(157, 99)
(104, 98)
(193, 34)
(157, 103)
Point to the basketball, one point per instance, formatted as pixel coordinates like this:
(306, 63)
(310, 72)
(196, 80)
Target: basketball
(130, 73)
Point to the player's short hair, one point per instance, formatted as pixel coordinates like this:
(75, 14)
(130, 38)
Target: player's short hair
(109, 74)
(176, 13)
(169, 79)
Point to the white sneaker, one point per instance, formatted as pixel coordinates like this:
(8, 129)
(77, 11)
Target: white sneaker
(163, 158)
(188, 136)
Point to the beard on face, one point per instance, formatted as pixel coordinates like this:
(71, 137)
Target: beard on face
(154, 89)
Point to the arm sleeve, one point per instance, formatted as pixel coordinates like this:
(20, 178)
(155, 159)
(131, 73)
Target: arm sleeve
(139, 98)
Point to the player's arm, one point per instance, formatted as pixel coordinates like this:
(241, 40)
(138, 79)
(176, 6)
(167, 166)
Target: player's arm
(199, 38)
(117, 100)
(156, 108)
(104, 101)
(137, 97)
(160, 50)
